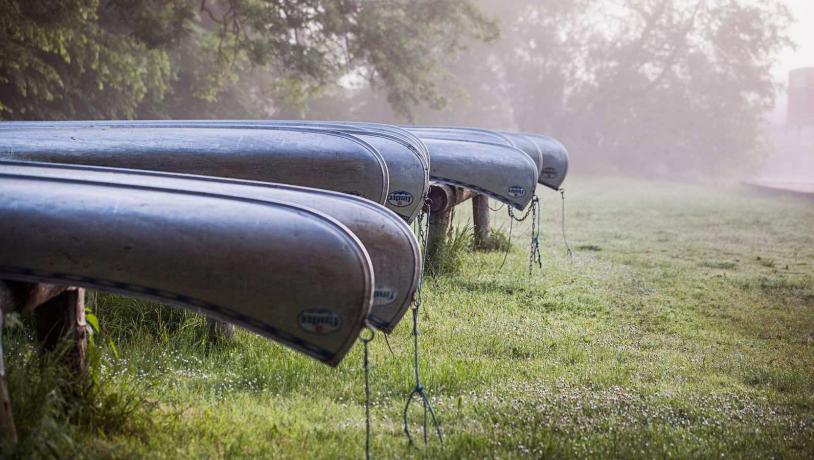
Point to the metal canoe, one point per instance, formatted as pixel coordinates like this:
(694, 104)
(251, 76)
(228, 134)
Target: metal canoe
(499, 171)
(290, 273)
(298, 156)
(531, 148)
(555, 160)
(407, 164)
(391, 245)
(482, 135)
(392, 130)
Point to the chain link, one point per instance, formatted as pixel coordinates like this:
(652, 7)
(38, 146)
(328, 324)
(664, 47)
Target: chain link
(497, 208)
(534, 246)
(527, 213)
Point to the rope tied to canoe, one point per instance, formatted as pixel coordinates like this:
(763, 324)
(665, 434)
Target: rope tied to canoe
(419, 390)
(562, 221)
(366, 339)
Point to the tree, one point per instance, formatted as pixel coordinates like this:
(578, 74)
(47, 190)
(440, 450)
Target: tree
(57, 61)
(205, 58)
(673, 87)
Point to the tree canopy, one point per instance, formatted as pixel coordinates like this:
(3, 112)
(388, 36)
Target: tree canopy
(650, 86)
(86, 59)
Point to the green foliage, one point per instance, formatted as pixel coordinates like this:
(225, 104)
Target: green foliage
(499, 240)
(451, 253)
(58, 62)
(54, 411)
(81, 59)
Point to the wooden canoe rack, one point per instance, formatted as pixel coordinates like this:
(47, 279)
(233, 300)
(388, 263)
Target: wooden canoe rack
(443, 198)
(59, 314)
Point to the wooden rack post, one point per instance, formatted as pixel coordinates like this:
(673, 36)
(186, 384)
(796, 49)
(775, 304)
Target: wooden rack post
(59, 313)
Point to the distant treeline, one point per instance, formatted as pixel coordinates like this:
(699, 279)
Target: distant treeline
(668, 87)
(676, 88)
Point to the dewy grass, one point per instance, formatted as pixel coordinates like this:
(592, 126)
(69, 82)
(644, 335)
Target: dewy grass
(683, 327)
(450, 256)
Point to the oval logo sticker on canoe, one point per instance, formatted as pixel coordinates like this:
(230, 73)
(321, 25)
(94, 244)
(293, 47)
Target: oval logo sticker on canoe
(319, 321)
(549, 172)
(383, 296)
(400, 199)
(516, 191)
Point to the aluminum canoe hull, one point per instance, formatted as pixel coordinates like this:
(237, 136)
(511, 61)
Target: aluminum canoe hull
(407, 163)
(393, 249)
(555, 160)
(296, 156)
(287, 272)
(531, 148)
(499, 171)
(483, 135)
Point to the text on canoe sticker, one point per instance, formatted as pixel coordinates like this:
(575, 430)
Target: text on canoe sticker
(319, 321)
(400, 199)
(516, 191)
(383, 296)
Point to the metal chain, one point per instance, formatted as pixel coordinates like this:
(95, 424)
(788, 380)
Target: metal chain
(418, 390)
(534, 248)
(497, 208)
(534, 245)
(562, 220)
(528, 211)
(366, 364)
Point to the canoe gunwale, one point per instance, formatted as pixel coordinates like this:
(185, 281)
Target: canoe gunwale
(488, 132)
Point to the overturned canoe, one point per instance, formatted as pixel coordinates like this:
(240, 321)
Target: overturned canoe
(499, 171)
(286, 272)
(531, 148)
(460, 133)
(316, 158)
(482, 135)
(407, 165)
(555, 160)
(391, 245)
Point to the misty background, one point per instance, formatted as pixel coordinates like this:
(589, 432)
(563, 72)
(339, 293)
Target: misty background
(684, 89)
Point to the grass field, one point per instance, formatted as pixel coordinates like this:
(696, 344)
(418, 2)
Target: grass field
(683, 327)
